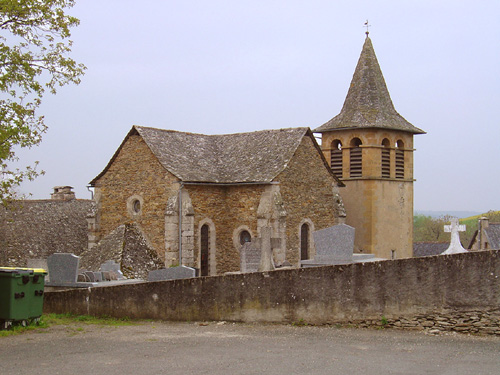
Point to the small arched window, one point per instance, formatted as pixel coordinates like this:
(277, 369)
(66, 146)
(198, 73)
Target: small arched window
(245, 237)
(356, 158)
(386, 158)
(400, 159)
(304, 241)
(336, 160)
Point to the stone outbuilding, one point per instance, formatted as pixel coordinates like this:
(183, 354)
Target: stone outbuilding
(39, 228)
(212, 193)
(486, 237)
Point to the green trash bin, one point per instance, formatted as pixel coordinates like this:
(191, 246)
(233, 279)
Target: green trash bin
(21, 293)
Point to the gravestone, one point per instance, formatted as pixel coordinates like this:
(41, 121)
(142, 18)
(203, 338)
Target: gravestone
(63, 271)
(455, 244)
(172, 273)
(249, 257)
(63, 268)
(111, 265)
(334, 245)
(90, 275)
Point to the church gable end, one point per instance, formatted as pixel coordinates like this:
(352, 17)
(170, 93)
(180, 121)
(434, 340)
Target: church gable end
(134, 187)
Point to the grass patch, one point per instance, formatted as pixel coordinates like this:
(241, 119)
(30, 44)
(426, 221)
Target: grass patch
(49, 320)
(55, 319)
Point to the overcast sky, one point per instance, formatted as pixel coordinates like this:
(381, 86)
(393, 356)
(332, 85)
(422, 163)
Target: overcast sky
(230, 66)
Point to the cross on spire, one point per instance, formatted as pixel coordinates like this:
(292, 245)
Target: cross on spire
(367, 25)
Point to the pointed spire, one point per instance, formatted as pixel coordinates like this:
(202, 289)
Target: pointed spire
(368, 103)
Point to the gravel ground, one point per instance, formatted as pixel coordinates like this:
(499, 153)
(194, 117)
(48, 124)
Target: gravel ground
(227, 348)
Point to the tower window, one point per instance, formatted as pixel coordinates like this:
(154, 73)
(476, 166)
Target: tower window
(356, 158)
(386, 159)
(336, 158)
(400, 160)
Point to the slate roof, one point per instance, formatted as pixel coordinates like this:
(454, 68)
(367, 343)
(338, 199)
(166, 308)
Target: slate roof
(492, 236)
(368, 103)
(255, 157)
(424, 249)
(39, 228)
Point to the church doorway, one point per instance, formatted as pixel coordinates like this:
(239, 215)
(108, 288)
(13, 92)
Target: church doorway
(204, 266)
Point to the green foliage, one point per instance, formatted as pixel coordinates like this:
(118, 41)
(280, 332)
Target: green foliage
(384, 321)
(426, 228)
(75, 321)
(34, 46)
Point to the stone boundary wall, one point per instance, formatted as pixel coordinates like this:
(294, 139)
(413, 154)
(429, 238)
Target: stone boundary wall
(459, 292)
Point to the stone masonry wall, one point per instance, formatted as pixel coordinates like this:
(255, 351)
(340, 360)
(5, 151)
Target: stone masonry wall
(458, 292)
(135, 172)
(307, 190)
(229, 207)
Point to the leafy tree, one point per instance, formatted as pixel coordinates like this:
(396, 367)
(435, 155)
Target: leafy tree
(34, 48)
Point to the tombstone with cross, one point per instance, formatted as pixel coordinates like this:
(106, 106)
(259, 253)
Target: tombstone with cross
(455, 244)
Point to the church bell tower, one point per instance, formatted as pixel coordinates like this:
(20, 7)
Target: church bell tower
(370, 148)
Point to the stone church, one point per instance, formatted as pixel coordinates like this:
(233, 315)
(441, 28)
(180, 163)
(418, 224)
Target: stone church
(198, 198)
(225, 187)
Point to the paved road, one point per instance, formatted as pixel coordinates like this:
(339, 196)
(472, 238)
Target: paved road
(191, 348)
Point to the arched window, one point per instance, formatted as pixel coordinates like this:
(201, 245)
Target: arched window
(336, 158)
(400, 159)
(356, 158)
(245, 237)
(304, 241)
(205, 253)
(386, 158)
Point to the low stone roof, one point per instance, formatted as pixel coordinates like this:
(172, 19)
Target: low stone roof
(255, 157)
(38, 228)
(127, 246)
(424, 249)
(368, 103)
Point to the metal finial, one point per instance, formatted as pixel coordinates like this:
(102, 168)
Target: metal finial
(367, 26)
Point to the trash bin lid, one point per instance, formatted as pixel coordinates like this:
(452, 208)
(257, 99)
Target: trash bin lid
(21, 269)
(15, 270)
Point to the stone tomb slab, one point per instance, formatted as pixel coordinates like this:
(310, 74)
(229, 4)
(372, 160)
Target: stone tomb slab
(63, 270)
(334, 245)
(111, 265)
(63, 267)
(250, 257)
(172, 273)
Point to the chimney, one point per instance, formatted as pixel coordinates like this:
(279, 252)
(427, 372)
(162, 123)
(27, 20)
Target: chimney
(483, 225)
(63, 193)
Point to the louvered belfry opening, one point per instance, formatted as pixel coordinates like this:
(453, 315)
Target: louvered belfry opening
(386, 159)
(356, 158)
(336, 159)
(400, 160)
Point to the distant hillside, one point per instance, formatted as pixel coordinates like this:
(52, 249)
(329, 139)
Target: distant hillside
(436, 214)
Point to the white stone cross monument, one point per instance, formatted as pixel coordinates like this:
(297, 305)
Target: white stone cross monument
(455, 245)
